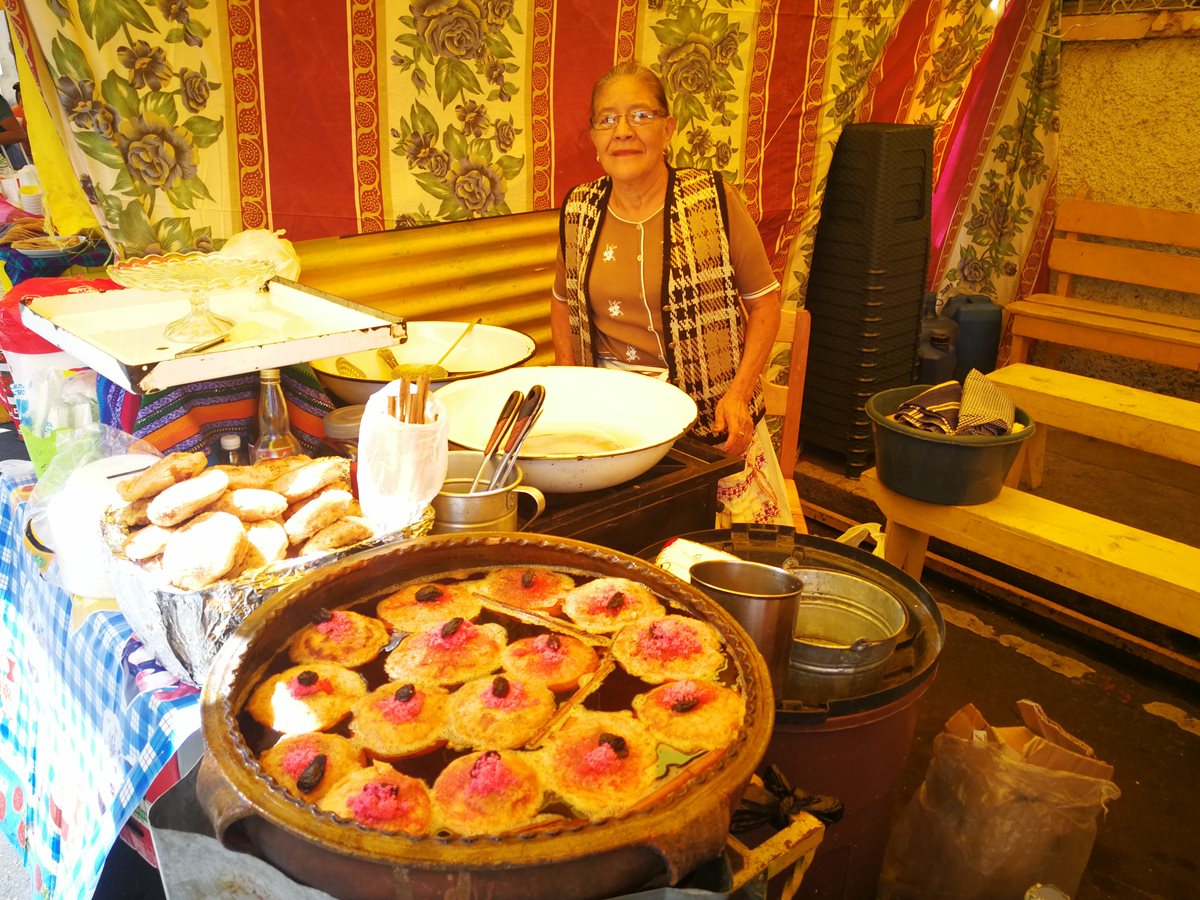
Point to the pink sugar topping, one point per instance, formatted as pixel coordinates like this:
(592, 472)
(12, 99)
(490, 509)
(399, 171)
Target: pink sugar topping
(300, 691)
(682, 692)
(378, 801)
(461, 636)
(547, 651)
(514, 699)
(400, 711)
(297, 758)
(599, 760)
(489, 775)
(669, 640)
(338, 627)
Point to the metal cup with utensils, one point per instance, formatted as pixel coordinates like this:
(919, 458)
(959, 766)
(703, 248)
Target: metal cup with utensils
(458, 509)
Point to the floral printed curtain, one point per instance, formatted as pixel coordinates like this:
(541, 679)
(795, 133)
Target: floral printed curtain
(189, 120)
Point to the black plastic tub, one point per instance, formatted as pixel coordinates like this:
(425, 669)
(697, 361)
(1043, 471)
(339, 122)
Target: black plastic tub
(954, 470)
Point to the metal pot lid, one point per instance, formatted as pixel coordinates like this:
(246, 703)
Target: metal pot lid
(915, 657)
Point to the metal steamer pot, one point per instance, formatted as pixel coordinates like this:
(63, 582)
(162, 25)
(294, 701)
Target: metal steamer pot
(662, 839)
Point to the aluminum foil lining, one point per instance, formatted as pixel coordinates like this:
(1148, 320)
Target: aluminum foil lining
(185, 629)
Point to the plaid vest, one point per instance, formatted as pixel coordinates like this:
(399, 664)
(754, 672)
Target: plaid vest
(701, 308)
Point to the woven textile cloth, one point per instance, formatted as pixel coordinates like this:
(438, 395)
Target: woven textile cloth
(977, 406)
(85, 728)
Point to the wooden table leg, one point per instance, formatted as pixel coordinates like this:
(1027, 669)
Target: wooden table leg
(905, 547)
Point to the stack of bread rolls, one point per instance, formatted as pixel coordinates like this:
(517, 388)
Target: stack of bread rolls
(199, 525)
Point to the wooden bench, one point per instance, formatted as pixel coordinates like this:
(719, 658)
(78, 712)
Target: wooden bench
(1165, 426)
(1059, 318)
(1151, 576)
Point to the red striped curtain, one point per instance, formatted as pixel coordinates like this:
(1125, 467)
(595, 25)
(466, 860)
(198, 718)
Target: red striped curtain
(189, 120)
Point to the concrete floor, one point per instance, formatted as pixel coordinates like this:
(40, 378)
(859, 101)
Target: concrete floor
(1136, 713)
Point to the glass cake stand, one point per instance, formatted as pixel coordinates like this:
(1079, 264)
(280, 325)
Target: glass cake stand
(199, 274)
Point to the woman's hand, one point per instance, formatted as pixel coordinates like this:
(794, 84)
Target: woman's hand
(733, 417)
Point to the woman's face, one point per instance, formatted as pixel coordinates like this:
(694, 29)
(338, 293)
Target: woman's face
(630, 152)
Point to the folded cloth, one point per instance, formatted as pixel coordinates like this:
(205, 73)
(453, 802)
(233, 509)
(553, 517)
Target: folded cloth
(985, 408)
(933, 410)
(977, 406)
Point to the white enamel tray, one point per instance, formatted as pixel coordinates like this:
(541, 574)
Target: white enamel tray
(120, 333)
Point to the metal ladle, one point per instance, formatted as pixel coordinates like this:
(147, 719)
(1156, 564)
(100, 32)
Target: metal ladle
(436, 371)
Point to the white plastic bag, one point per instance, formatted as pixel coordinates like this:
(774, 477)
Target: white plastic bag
(401, 466)
(871, 531)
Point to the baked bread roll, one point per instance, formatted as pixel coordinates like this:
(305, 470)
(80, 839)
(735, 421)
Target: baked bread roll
(315, 513)
(381, 798)
(133, 515)
(400, 720)
(147, 542)
(306, 480)
(425, 604)
(341, 636)
(449, 653)
(599, 763)
(486, 793)
(202, 551)
(308, 765)
(672, 648)
(309, 697)
(184, 499)
(161, 474)
(528, 588)
(251, 504)
(691, 716)
(497, 713)
(347, 530)
(605, 605)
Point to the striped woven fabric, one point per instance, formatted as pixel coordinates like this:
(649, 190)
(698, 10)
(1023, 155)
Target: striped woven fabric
(933, 410)
(977, 406)
(194, 416)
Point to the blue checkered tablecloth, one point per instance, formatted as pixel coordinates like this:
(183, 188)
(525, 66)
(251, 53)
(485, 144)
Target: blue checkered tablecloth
(86, 720)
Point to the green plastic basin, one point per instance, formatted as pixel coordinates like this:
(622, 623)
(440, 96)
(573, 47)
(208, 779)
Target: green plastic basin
(956, 470)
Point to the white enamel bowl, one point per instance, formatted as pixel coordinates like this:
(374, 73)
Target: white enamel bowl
(487, 349)
(598, 428)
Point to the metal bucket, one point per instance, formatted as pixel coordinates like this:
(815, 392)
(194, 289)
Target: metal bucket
(846, 629)
(763, 600)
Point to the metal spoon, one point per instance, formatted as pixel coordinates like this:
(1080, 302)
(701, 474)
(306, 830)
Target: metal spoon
(527, 416)
(435, 371)
(507, 416)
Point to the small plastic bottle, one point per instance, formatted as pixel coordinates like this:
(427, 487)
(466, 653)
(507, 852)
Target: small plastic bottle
(232, 451)
(275, 438)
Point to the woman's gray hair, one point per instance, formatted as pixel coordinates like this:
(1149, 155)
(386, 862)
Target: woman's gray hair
(632, 70)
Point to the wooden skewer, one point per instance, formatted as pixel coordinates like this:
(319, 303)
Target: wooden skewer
(422, 395)
(405, 397)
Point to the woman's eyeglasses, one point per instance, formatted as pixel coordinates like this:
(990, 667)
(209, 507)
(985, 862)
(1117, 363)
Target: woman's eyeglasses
(637, 119)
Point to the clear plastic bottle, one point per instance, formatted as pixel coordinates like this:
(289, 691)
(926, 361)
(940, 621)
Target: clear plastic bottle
(232, 452)
(275, 438)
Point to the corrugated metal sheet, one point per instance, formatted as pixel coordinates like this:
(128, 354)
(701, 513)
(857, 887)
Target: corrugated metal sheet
(501, 268)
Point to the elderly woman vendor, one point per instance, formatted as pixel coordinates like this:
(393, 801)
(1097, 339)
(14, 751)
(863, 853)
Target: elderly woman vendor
(661, 271)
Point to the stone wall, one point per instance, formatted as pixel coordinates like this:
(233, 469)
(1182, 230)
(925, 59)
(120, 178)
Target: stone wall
(1130, 113)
